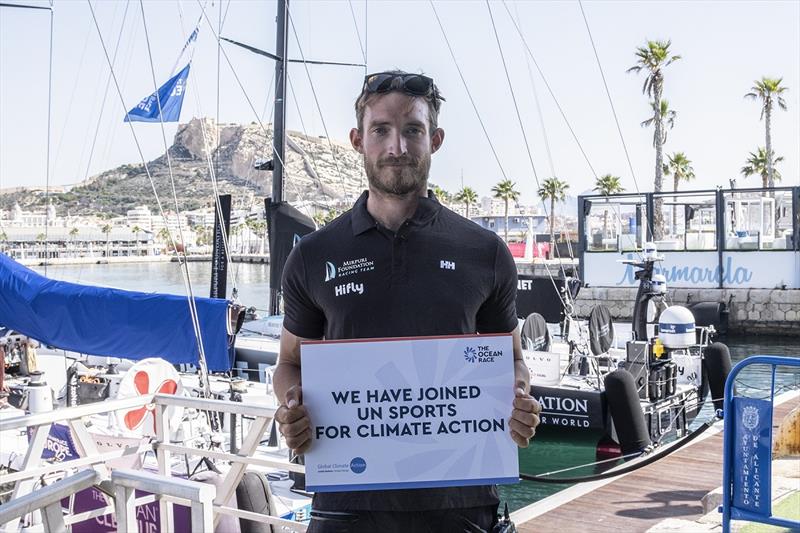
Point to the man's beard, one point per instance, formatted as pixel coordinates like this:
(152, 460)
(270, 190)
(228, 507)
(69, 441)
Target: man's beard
(398, 176)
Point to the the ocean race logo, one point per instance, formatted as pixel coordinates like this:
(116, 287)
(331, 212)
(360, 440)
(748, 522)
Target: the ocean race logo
(470, 354)
(358, 465)
(481, 354)
(694, 274)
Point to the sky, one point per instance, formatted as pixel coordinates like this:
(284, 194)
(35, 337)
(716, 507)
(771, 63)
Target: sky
(724, 46)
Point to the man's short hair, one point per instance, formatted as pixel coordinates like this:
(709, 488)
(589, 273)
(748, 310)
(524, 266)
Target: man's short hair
(434, 100)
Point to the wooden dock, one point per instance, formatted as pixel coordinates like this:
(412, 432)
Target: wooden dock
(669, 488)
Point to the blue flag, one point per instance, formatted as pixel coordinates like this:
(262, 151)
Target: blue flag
(171, 97)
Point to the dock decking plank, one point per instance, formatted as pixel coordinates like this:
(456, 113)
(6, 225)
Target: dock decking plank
(669, 488)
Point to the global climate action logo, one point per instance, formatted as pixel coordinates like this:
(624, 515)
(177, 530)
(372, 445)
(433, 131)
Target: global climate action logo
(358, 465)
(470, 354)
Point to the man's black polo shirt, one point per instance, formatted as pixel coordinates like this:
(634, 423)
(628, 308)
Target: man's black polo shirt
(439, 274)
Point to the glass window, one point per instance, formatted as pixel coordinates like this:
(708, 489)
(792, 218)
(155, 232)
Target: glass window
(758, 220)
(615, 223)
(688, 221)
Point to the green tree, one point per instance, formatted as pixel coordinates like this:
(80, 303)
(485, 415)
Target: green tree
(770, 92)
(73, 233)
(555, 190)
(468, 197)
(442, 195)
(3, 239)
(607, 185)
(107, 230)
(758, 164)
(653, 58)
(505, 191)
(136, 231)
(680, 168)
(667, 117)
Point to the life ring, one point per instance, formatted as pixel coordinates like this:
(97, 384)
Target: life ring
(148, 376)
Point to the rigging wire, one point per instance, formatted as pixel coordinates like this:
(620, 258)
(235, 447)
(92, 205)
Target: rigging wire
(538, 105)
(611, 103)
(209, 161)
(469, 94)
(49, 122)
(319, 108)
(550, 90)
(358, 34)
(105, 93)
(136, 142)
(247, 98)
(190, 293)
(303, 125)
(528, 151)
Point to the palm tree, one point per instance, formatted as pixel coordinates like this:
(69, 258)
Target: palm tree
(468, 197)
(769, 91)
(72, 234)
(556, 191)
(163, 235)
(680, 167)
(106, 229)
(667, 117)
(442, 195)
(758, 164)
(607, 185)
(136, 231)
(506, 192)
(653, 58)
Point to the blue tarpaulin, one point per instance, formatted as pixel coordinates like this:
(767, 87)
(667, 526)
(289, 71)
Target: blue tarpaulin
(110, 322)
(170, 96)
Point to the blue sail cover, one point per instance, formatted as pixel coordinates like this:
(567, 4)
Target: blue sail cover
(170, 95)
(110, 322)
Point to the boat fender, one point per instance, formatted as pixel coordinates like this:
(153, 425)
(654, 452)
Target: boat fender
(626, 412)
(711, 314)
(601, 330)
(227, 523)
(535, 335)
(253, 494)
(717, 366)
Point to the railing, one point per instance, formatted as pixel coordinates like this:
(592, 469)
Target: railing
(172, 489)
(748, 451)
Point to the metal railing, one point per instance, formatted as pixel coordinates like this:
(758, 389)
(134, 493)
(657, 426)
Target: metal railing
(172, 489)
(734, 506)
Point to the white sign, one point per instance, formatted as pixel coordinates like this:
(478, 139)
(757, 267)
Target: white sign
(751, 269)
(409, 413)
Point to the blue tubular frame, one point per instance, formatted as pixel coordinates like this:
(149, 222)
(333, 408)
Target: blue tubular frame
(728, 511)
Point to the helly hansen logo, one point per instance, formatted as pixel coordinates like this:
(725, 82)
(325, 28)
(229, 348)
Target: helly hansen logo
(447, 265)
(339, 290)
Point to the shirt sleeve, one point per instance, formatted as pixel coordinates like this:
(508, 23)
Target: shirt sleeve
(302, 316)
(498, 314)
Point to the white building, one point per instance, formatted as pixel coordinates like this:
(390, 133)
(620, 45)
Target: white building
(140, 216)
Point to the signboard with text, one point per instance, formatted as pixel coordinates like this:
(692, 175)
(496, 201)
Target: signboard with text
(747, 269)
(752, 463)
(409, 413)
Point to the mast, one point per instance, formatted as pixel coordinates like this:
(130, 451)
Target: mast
(279, 130)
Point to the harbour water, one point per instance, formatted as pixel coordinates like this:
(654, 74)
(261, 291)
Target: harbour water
(252, 283)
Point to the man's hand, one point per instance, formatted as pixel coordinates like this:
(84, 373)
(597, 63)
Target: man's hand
(524, 417)
(293, 421)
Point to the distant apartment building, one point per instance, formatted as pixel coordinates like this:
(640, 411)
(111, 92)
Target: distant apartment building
(140, 216)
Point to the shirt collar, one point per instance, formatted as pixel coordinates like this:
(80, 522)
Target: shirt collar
(427, 209)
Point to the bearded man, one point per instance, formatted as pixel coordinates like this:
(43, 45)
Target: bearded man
(398, 264)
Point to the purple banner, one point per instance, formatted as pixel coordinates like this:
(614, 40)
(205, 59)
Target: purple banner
(752, 463)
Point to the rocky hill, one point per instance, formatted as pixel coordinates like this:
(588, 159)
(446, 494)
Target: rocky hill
(316, 169)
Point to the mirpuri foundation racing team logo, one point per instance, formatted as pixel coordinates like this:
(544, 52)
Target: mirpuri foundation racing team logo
(481, 354)
(348, 268)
